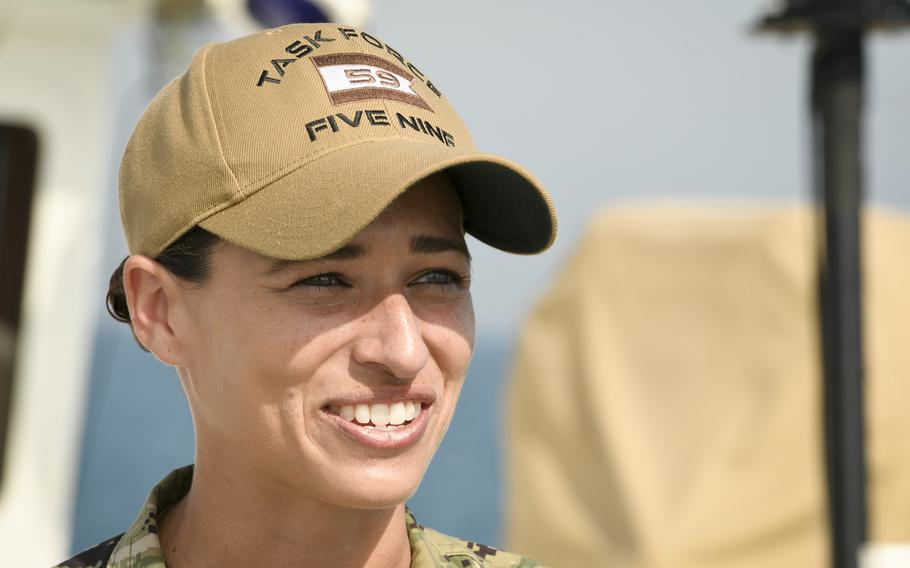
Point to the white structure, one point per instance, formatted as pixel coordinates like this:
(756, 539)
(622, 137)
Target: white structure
(55, 60)
(72, 71)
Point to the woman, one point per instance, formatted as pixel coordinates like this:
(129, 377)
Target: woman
(295, 206)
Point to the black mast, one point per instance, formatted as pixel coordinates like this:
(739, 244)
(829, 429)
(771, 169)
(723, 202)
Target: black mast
(837, 89)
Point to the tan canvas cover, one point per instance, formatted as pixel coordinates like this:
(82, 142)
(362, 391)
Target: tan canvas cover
(666, 403)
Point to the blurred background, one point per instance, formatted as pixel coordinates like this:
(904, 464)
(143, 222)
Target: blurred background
(640, 395)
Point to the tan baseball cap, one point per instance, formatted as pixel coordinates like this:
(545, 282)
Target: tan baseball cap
(291, 141)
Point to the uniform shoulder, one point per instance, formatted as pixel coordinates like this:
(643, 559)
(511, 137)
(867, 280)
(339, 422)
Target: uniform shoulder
(94, 557)
(473, 554)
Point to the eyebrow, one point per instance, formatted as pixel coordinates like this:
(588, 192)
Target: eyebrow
(430, 244)
(347, 252)
(420, 244)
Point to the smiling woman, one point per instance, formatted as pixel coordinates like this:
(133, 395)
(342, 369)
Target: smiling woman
(314, 298)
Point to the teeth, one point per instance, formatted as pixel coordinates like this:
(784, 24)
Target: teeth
(362, 413)
(397, 414)
(381, 416)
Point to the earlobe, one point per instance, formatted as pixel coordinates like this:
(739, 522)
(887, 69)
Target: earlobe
(150, 289)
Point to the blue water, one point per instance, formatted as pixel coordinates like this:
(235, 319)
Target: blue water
(139, 428)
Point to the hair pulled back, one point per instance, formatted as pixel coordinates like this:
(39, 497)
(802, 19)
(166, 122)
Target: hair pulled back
(188, 258)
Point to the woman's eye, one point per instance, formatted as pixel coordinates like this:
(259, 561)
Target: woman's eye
(321, 281)
(443, 278)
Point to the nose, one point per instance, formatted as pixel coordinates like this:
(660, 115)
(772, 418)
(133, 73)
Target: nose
(392, 339)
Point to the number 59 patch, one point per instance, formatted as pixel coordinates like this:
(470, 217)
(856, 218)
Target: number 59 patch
(350, 77)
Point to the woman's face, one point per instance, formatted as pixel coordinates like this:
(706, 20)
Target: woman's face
(293, 369)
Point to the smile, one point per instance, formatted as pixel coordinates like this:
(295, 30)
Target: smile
(383, 425)
(380, 416)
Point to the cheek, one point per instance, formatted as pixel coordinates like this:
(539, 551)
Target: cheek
(467, 325)
(451, 340)
(237, 365)
(220, 324)
(454, 357)
(467, 320)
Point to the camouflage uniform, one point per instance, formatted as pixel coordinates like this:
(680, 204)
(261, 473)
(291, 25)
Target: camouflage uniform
(139, 546)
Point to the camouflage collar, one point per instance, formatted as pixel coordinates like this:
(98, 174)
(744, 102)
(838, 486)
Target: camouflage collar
(140, 546)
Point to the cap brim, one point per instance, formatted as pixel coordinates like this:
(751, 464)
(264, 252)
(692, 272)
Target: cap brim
(322, 205)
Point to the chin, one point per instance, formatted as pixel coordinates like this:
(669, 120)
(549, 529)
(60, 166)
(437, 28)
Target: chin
(374, 489)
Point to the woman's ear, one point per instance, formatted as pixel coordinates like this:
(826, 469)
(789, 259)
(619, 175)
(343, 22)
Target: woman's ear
(152, 295)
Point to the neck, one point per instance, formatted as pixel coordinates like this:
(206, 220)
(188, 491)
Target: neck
(234, 521)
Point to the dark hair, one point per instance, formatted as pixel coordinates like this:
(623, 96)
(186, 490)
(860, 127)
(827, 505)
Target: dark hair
(189, 258)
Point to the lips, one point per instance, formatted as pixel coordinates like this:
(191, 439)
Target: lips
(390, 424)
